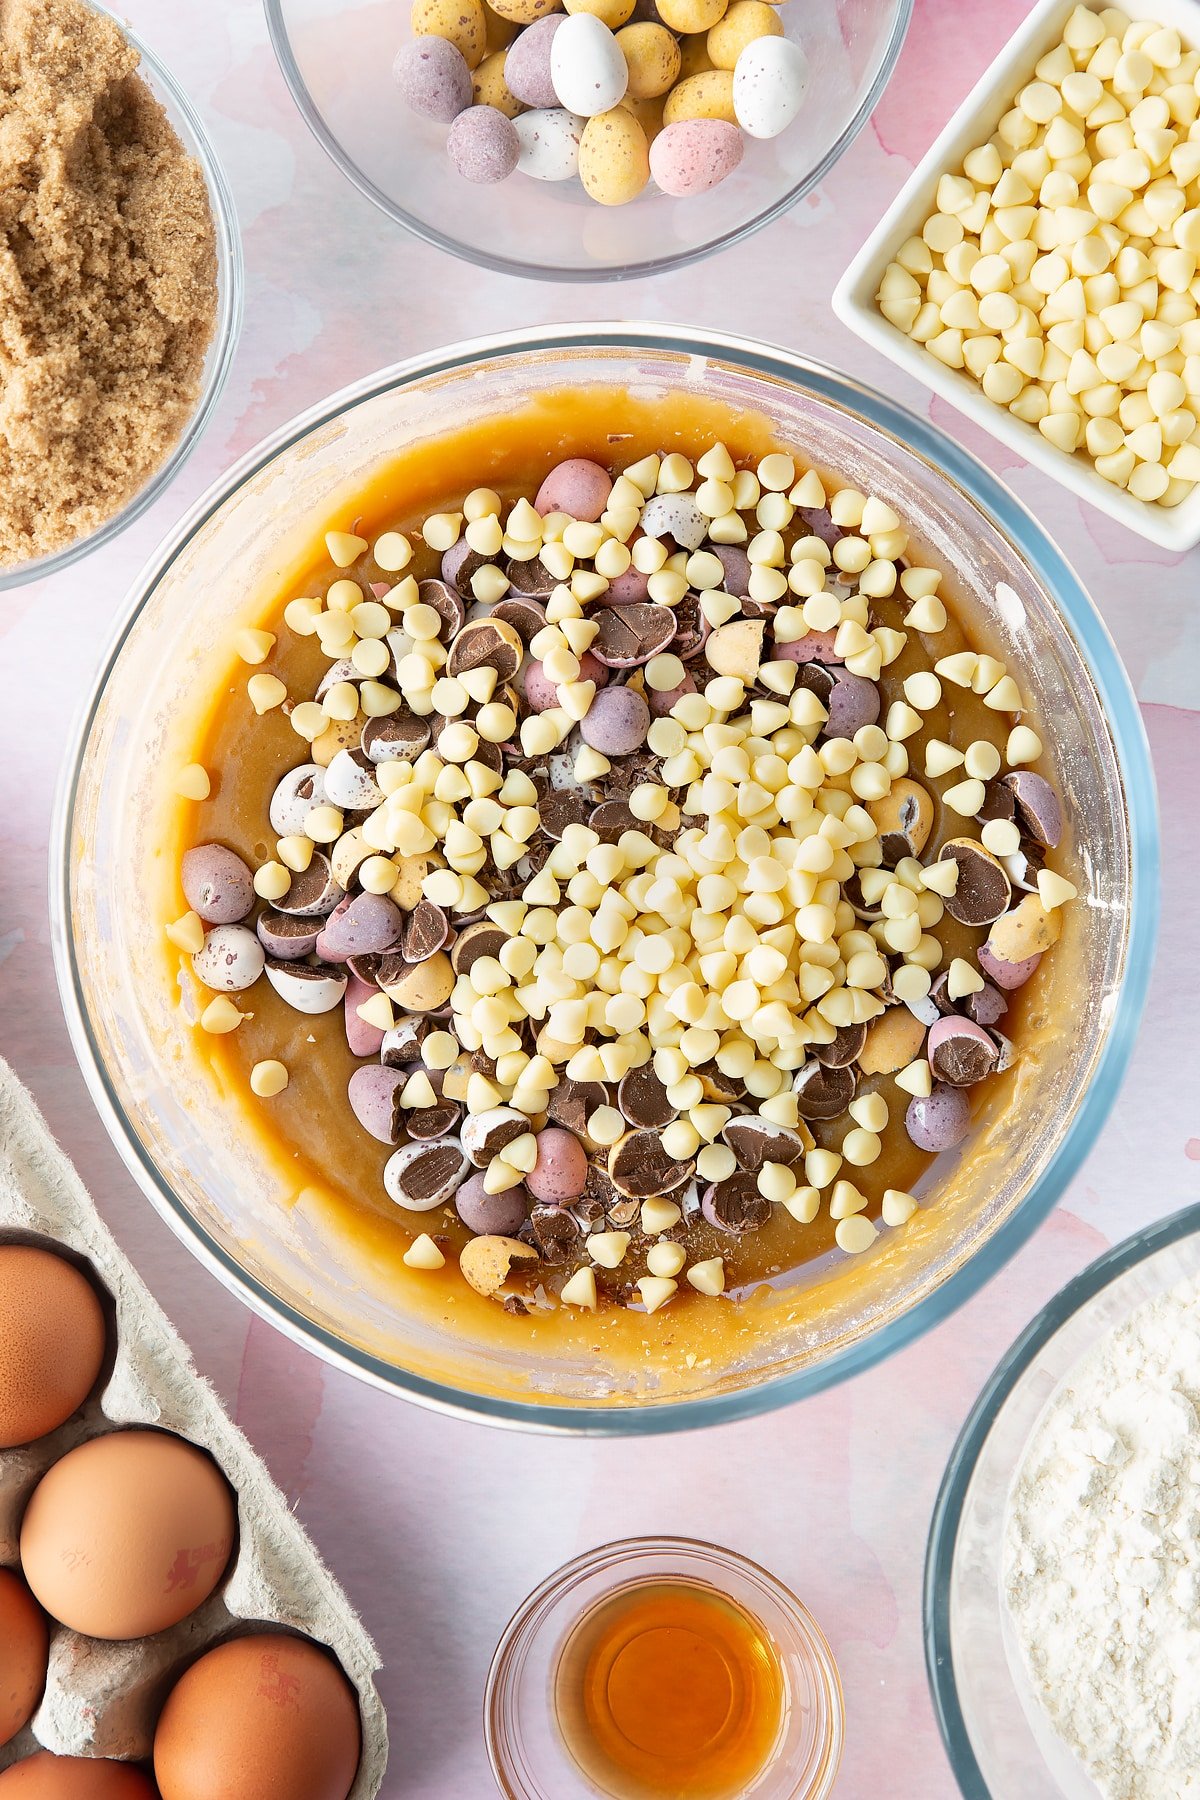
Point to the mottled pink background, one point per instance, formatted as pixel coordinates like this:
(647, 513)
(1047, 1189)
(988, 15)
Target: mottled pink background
(438, 1528)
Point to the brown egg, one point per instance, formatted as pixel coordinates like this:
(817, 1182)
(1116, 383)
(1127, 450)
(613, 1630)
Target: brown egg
(46, 1777)
(24, 1648)
(52, 1341)
(267, 1717)
(128, 1534)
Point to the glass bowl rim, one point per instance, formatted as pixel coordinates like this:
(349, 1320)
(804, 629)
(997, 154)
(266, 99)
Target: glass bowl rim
(231, 285)
(1058, 1311)
(507, 265)
(622, 1552)
(952, 464)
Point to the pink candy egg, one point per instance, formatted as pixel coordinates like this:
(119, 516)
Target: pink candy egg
(560, 1173)
(578, 487)
(693, 155)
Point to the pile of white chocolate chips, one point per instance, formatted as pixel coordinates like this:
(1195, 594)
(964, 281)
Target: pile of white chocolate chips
(605, 848)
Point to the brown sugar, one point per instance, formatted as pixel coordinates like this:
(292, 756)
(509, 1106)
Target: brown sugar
(108, 286)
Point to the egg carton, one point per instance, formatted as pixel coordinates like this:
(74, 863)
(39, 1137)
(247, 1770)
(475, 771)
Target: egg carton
(103, 1699)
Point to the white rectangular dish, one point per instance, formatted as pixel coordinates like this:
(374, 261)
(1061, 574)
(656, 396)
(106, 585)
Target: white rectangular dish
(854, 301)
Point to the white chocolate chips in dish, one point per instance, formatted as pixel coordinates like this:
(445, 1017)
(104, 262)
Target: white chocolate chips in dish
(1061, 267)
(669, 856)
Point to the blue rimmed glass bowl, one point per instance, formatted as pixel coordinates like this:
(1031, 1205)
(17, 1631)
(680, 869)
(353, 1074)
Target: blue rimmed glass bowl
(999, 1739)
(181, 1138)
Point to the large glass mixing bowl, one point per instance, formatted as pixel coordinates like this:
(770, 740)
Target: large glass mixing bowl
(180, 1137)
(337, 57)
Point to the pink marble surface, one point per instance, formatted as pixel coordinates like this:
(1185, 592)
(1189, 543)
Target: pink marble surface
(436, 1527)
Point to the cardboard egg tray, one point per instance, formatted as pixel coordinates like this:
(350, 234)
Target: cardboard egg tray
(103, 1699)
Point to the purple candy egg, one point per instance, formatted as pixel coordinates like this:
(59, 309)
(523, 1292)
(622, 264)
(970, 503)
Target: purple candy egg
(617, 721)
(627, 589)
(527, 63)
(433, 76)
(361, 926)
(853, 703)
(487, 1214)
(361, 1038)
(540, 692)
(482, 144)
(460, 562)
(662, 700)
(736, 564)
(939, 1121)
(560, 1173)
(578, 487)
(1007, 975)
(817, 646)
(216, 884)
(374, 1094)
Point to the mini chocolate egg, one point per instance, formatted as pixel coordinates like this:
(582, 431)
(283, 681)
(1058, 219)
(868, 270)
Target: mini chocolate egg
(433, 76)
(374, 1095)
(263, 1717)
(361, 925)
(527, 63)
(305, 989)
(695, 155)
(128, 1534)
(489, 87)
(614, 158)
(295, 795)
(744, 23)
(460, 22)
(769, 84)
(485, 1214)
(578, 487)
(940, 1120)
(52, 1342)
(586, 66)
(24, 1648)
(549, 137)
(560, 1173)
(708, 95)
(231, 958)
(483, 145)
(216, 883)
(652, 58)
(47, 1777)
(617, 721)
(675, 516)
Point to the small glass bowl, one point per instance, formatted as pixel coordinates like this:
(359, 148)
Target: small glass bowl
(337, 56)
(528, 1756)
(186, 123)
(998, 1736)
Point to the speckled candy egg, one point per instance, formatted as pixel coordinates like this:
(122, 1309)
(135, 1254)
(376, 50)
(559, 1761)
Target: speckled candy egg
(744, 23)
(560, 1173)
(527, 63)
(483, 145)
(614, 158)
(940, 1120)
(460, 22)
(586, 66)
(230, 959)
(216, 884)
(487, 1214)
(434, 78)
(617, 721)
(708, 95)
(652, 57)
(578, 487)
(769, 84)
(695, 155)
(489, 85)
(549, 139)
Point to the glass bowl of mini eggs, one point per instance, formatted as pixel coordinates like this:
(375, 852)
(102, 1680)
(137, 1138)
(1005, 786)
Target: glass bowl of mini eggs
(641, 145)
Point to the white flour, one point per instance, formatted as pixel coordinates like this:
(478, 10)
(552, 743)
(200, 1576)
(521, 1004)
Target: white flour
(1102, 1555)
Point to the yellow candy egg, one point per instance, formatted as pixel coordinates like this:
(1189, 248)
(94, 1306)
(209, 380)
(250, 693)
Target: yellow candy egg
(652, 57)
(648, 113)
(460, 22)
(745, 21)
(489, 88)
(499, 32)
(523, 12)
(614, 159)
(612, 13)
(691, 15)
(705, 96)
(693, 56)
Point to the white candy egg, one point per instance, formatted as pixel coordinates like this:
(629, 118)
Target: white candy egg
(549, 143)
(587, 68)
(770, 79)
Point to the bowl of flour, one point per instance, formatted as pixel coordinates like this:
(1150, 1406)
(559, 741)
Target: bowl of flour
(1062, 1600)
